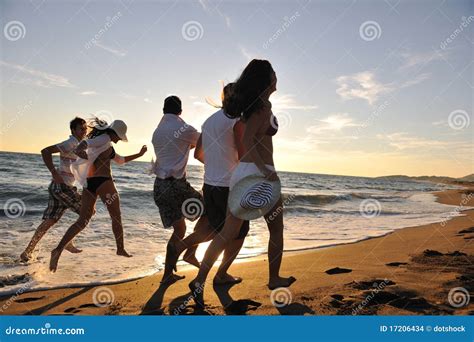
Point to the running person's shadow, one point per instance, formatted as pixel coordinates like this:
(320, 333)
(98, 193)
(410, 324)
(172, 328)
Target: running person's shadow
(231, 306)
(153, 305)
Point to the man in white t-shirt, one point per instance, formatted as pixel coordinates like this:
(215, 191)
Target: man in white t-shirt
(219, 148)
(175, 198)
(63, 194)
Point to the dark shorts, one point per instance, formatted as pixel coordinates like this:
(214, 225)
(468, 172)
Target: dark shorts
(61, 198)
(176, 198)
(215, 202)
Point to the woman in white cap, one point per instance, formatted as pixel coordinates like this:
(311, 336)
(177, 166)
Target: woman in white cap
(95, 155)
(249, 101)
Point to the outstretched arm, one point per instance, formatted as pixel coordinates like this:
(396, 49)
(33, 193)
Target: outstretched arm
(127, 159)
(47, 154)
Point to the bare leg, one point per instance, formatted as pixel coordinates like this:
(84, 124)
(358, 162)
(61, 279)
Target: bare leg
(179, 229)
(218, 244)
(110, 197)
(274, 221)
(37, 236)
(230, 253)
(87, 210)
(202, 233)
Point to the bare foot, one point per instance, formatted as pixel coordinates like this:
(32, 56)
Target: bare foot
(226, 279)
(72, 249)
(25, 257)
(124, 253)
(197, 292)
(53, 262)
(281, 282)
(171, 278)
(191, 259)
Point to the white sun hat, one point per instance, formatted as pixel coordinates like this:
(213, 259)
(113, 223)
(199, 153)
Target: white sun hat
(120, 128)
(253, 196)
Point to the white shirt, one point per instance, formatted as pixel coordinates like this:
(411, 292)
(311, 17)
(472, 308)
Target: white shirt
(220, 151)
(95, 146)
(66, 158)
(172, 141)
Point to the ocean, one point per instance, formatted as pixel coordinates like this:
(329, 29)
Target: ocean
(320, 211)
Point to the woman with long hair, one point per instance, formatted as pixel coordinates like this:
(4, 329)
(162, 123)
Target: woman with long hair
(249, 101)
(96, 153)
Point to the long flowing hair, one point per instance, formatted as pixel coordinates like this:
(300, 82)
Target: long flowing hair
(247, 94)
(97, 127)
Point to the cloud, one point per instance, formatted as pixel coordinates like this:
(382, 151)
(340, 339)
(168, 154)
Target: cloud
(405, 141)
(410, 60)
(110, 49)
(285, 102)
(334, 122)
(40, 78)
(247, 55)
(362, 85)
(417, 79)
(205, 6)
(88, 93)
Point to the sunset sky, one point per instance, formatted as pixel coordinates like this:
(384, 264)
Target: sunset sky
(366, 88)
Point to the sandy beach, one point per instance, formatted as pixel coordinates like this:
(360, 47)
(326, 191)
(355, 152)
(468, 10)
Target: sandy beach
(410, 271)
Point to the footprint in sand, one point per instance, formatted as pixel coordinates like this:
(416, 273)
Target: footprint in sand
(338, 270)
(27, 300)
